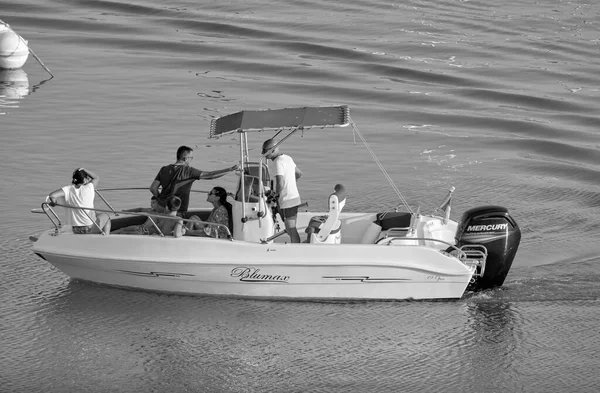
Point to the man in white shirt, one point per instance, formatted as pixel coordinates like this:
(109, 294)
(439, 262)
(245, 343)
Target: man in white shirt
(80, 194)
(285, 172)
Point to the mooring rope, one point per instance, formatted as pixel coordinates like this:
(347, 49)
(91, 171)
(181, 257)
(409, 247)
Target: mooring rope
(41, 62)
(387, 176)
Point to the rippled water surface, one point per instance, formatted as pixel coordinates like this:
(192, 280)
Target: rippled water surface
(498, 99)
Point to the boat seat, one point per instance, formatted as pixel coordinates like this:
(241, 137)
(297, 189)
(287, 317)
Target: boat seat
(327, 229)
(394, 224)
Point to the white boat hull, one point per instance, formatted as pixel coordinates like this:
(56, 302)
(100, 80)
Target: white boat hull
(235, 268)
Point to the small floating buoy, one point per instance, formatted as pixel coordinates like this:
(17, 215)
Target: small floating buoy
(13, 48)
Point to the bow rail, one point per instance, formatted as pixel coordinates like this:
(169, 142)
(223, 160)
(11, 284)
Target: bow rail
(54, 218)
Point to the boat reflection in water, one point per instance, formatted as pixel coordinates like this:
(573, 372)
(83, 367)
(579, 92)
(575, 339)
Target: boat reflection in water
(14, 85)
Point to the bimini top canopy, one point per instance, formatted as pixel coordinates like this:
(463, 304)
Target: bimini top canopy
(278, 119)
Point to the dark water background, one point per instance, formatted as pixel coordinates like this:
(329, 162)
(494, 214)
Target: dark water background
(499, 99)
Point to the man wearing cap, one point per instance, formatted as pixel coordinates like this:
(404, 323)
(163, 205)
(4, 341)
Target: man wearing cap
(177, 179)
(285, 173)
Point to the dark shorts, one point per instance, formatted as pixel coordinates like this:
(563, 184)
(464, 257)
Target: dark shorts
(82, 230)
(289, 213)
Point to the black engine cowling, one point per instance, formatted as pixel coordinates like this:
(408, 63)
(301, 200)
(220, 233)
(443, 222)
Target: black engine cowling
(494, 228)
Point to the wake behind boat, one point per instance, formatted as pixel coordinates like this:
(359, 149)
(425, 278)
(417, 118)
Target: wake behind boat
(348, 255)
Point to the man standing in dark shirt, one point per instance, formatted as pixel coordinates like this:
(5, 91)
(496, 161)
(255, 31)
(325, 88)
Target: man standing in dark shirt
(177, 179)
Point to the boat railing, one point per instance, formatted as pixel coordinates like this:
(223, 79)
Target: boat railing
(476, 255)
(105, 201)
(398, 232)
(185, 220)
(129, 189)
(56, 221)
(387, 241)
(46, 209)
(472, 255)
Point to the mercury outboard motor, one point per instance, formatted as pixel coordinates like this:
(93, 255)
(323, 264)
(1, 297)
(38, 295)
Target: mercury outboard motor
(493, 228)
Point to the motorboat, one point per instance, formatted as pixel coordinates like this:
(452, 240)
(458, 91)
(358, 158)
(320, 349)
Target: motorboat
(399, 253)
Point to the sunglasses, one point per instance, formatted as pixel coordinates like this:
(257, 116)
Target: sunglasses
(213, 193)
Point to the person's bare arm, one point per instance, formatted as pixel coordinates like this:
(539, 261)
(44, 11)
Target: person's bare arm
(94, 178)
(154, 188)
(54, 195)
(209, 175)
(178, 230)
(298, 173)
(278, 184)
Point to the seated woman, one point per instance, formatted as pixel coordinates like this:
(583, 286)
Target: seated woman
(220, 214)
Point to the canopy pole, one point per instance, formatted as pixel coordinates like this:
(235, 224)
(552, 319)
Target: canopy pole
(243, 143)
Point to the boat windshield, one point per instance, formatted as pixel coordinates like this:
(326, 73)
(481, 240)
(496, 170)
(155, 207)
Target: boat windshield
(252, 182)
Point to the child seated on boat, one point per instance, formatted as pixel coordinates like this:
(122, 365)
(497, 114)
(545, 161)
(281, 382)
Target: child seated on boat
(147, 226)
(220, 214)
(167, 226)
(154, 208)
(171, 224)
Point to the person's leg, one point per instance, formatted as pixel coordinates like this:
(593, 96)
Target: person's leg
(103, 221)
(289, 217)
(108, 225)
(192, 225)
(290, 227)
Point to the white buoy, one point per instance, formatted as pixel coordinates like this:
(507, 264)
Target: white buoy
(13, 48)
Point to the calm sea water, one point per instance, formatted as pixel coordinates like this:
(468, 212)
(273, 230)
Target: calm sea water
(499, 99)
